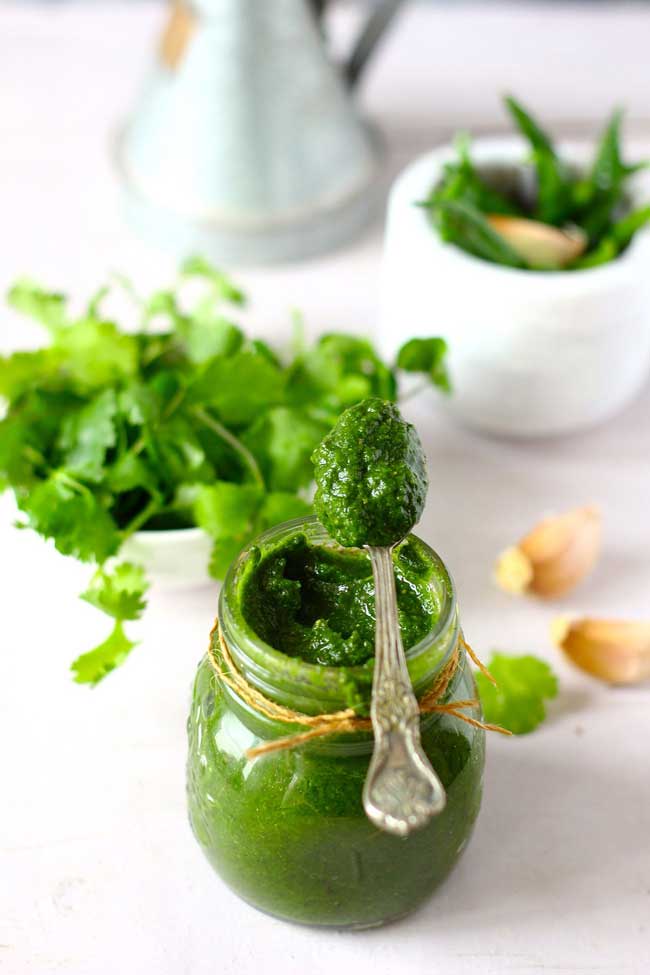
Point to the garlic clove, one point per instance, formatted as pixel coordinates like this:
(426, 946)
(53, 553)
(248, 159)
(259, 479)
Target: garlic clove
(554, 557)
(542, 246)
(616, 651)
(514, 571)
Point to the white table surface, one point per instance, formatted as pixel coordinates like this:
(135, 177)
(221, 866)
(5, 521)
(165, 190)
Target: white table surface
(99, 873)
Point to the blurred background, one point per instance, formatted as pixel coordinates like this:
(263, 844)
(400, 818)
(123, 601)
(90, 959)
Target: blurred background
(72, 73)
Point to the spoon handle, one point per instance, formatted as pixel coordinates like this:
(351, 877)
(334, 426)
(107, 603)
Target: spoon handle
(401, 791)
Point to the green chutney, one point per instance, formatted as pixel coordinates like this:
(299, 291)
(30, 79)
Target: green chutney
(371, 477)
(317, 602)
(287, 830)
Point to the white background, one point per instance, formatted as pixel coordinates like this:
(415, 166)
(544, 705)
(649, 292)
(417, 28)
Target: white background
(98, 870)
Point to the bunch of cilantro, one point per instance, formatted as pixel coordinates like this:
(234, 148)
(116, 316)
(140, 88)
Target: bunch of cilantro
(108, 432)
(596, 201)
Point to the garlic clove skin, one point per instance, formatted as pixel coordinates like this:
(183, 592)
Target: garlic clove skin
(542, 246)
(554, 557)
(615, 651)
(514, 571)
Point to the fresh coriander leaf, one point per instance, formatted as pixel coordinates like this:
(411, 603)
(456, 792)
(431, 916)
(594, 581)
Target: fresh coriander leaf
(464, 225)
(336, 372)
(238, 386)
(118, 591)
(175, 453)
(17, 461)
(161, 303)
(282, 441)
(224, 552)
(439, 375)
(229, 513)
(206, 337)
(47, 307)
(350, 389)
(421, 355)
(26, 370)
(223, 287)
(224, 509)
(265, 350)
(87, 435)
(92, 667)
(246, 520)
(28, 435)
(517, 702)
(96, 353)
(428, 356)
(73, 517)
(94, 309)
(279, 506)
(129, 472)
(203, 333)
(187, 494)
(166, 386)
(139, 404)
(354, 357)
(229, 458)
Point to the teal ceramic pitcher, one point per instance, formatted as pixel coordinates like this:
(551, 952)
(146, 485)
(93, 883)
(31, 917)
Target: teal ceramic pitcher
(246, 144)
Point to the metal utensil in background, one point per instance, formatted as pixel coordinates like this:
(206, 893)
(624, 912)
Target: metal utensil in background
(246, 144)
(402, 791)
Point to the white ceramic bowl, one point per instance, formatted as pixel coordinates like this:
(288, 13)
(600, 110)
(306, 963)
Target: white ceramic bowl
(531, 353)
(177, 558)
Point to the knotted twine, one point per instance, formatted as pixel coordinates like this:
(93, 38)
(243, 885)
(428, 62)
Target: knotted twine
(347, 720)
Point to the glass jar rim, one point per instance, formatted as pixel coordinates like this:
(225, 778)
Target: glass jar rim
(314, 688)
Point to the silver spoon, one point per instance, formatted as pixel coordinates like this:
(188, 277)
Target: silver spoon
(401, 792)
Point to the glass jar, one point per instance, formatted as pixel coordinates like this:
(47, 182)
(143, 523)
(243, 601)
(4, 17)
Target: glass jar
(287, 830)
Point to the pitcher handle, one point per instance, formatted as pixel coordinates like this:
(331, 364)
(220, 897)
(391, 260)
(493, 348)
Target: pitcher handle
(375, 27)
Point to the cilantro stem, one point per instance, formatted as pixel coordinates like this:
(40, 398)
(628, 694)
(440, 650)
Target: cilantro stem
(176, 400)
(174, 403)
(209, 421)
(35, 456)
(127, 287)
(420, 388)
(141, 518)
(73, 483)
(138, 446)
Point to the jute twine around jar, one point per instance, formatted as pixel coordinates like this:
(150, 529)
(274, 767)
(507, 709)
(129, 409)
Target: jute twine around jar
(347, 720)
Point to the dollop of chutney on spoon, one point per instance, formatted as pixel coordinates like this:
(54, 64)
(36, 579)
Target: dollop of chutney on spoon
(371, 477)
